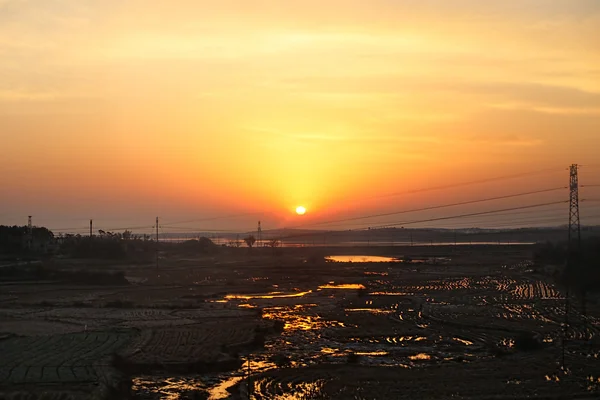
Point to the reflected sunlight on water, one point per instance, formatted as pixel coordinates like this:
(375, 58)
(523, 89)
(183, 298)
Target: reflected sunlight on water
(220, 391)
(370, 310)
(343, 286)
(296, 320)
(420, 356)
(463, 341)
(270, 295)
(372, 353)
(361, 258)
(391, 294)
(169, 388)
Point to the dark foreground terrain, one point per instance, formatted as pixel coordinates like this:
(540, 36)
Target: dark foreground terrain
(449, 322)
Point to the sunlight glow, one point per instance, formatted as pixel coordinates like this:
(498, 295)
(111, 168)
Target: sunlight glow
(300, 210)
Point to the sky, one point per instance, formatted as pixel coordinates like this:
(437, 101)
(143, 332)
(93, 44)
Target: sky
(122, 111)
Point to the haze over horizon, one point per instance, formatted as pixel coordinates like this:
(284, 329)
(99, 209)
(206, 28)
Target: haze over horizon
(122, 111)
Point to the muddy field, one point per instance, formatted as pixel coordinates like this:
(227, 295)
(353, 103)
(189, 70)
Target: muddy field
(455, 322)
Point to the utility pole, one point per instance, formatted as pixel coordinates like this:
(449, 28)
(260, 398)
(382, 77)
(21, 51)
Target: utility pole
(91, 228)
(156, 242)
(574, 244)
(248, 378)
(29, 233)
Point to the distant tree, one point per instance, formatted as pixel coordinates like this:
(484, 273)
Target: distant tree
(15, 239)
(250, 240)
(273, 243)
(234, 243)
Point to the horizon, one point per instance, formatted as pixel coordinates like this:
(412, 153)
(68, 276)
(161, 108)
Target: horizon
(228, 114)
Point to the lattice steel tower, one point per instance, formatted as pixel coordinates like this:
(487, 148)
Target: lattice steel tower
(573, 248)
(259, 234)
(574, 226)
(29, 233)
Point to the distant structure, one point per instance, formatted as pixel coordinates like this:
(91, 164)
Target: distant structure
(574, 244)
(156, 242)
(574, 224)
(29, 233)
(259, 235)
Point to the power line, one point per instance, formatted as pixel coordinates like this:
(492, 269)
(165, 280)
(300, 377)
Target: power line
(469, 183)
(472, 214)
(197, 229)
(391, 225)
(484, 217)
(443, 187)
(103, 229)
(213, 218)
(503, 221)
(432, 207)
(519, 223)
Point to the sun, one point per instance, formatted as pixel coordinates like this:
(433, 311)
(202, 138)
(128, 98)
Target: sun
(300, 210)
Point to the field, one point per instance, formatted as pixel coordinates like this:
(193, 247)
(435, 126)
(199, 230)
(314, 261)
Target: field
(476, 322)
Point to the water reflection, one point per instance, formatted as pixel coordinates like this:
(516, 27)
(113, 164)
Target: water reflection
(463, 341)
(370, 310)
(270, 295)
(376, 273)
(267, 388)
(343, 286)
(391, 294)
(221, 391)
(372, 353)
(361, 258)
(170, 388)
(420, 357)
(295, 318)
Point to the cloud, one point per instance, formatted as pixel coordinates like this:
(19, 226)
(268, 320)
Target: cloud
(573, 111)
(504, 140)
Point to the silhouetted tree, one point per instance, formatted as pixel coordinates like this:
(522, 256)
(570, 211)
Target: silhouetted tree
(14, 239)
(250, 240)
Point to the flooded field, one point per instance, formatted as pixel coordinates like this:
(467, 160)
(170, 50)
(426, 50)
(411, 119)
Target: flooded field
(480, 326)
(361, 258)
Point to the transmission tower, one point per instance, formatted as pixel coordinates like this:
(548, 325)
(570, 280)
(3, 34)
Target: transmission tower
(156, 242)
(29, 233)
(574, 226)
(259, 238)
(573, 246)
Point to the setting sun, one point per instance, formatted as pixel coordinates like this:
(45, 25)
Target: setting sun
(300, 210)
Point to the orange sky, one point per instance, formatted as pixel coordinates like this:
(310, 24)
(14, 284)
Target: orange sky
(121, 111)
